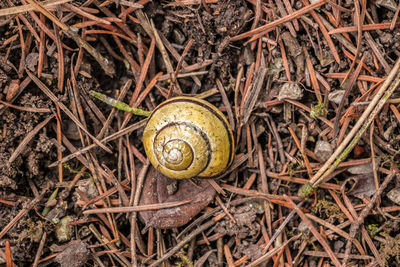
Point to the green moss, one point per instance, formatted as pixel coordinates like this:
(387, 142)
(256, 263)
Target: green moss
(373, 229)
(329, 209)
(77, 170)
(290, 169)
(318, 110)
(184, 260)
(33, 230)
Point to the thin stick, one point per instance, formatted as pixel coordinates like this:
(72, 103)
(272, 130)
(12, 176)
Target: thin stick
(9, 261)
(264, 188)
(138, 208)
(396, 15)
(348, 88)
(28, 109)
(372, 145)
(40, 249)
(140, 181)
(366, 27)
(41, 49)
(270, 26)
(313, 76)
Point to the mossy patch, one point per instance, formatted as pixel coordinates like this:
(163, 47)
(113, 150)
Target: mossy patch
(329, 209)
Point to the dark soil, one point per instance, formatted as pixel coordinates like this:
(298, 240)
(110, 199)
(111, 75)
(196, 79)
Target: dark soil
(27, 183)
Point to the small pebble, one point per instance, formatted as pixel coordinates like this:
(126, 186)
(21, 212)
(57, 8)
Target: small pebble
(389, 132)
(336, 96)
(290, 91)
(71, 131)
(178, 36)
(323, 150)
(303, 228)
(394, 195)
(389, 4)
(338, 245)
(88, 187)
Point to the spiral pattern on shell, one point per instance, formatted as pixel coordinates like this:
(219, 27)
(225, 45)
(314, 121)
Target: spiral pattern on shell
(187, 137)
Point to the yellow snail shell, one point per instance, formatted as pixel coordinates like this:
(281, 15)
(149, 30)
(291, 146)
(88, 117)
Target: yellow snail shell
(186, 137)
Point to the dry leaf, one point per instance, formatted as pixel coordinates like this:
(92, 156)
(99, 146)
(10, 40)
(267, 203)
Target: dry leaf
(363, 185)
(160, 189)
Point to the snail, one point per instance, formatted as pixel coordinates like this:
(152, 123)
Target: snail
(187, 137)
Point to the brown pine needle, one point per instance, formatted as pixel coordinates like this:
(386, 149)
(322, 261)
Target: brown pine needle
(366, 27)
(137, 208)
(396, 15)
(79, 41)
(324, 32)
(313, 77)
(25, 8)
(50, 94)
(270, 26)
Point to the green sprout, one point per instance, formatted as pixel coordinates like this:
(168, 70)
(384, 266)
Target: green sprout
(120, 105)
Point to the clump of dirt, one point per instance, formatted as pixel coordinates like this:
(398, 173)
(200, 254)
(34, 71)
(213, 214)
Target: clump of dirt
(30, 164)
(17, 124)
(252, 251)
(210, 28)
(246, 225)
(26, 235)
(246, 229)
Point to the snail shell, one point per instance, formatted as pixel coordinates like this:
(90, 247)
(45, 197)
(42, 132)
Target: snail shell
(187, 137)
